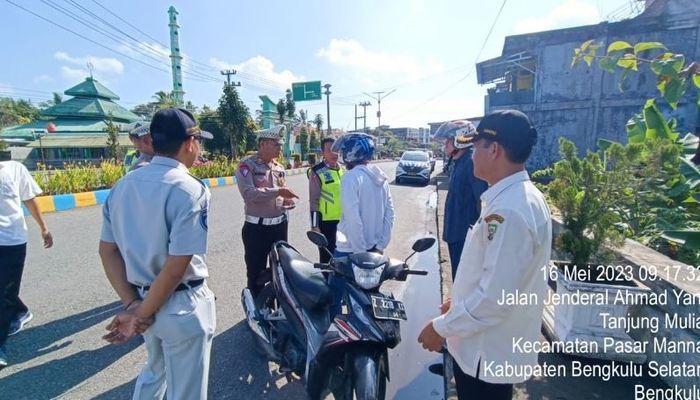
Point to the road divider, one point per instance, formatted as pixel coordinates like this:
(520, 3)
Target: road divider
(65, 202)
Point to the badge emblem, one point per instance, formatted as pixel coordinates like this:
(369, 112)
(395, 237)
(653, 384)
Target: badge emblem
(493, 220)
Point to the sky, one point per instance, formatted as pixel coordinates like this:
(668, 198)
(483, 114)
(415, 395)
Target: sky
(424, 49)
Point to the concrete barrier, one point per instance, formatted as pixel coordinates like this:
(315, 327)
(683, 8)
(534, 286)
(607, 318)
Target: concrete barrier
(64, 202)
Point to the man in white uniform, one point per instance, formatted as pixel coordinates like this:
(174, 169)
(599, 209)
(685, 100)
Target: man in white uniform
(503, 254)
(16, 187)
(153, 245)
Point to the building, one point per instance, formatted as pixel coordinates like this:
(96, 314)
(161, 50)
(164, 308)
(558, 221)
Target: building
(417, 135)
(534, 74)
(73, 130)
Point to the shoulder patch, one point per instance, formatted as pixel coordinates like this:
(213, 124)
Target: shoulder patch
(492, 223)
(243, 168)
(494, 217)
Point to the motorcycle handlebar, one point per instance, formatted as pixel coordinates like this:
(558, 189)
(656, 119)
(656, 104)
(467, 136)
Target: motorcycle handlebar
(416, 272)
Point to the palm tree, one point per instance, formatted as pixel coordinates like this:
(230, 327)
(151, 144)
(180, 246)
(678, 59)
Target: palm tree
(318, 122)
(164, 100)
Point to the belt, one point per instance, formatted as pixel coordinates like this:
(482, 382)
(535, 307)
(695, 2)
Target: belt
(266, 221)
(183, 286)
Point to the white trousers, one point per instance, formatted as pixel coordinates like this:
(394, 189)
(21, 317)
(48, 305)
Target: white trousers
(178, 345)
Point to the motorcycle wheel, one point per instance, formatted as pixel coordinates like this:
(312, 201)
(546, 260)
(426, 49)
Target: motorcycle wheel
(369, 376)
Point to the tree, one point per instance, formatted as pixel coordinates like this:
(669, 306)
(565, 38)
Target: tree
(17, 112)
(113, 149)
(209, 121)
(251, 141)
(234, 116)
(314, 143)
(281, 110)
(318, 122)
(289, 105)
(57, 98)
(304, 141)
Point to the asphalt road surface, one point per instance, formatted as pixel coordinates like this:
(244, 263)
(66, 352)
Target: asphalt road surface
(60, 353)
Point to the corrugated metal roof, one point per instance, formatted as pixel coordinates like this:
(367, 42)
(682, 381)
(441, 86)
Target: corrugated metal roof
(48, 142)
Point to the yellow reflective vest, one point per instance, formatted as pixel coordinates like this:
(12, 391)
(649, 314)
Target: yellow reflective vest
(329, 203)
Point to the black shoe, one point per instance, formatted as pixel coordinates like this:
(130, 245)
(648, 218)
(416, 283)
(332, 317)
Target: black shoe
(3, 357)
(437, 369)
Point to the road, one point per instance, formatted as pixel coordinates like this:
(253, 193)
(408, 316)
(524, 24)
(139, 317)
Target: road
(60, 353)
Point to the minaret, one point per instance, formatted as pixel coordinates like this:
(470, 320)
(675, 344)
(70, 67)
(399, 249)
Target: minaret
(175, 57)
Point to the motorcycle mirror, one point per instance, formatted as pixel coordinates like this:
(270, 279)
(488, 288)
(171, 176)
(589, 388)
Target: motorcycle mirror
(423, 244)
(319, 239)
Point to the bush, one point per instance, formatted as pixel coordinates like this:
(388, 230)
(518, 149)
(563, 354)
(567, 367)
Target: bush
(219, 167)
(111, 172)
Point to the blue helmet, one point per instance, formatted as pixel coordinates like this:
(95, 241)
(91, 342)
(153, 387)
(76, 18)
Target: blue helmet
(354, 147)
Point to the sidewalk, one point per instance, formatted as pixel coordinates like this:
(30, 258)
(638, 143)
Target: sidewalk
(551, 388)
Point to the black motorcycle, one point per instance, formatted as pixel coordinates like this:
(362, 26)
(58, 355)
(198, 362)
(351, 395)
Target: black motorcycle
(329, 323)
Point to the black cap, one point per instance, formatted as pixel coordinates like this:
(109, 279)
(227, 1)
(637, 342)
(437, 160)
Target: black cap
(508, 127)
(175, 123)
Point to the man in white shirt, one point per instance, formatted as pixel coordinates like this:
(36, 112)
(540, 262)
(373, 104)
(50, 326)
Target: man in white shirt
(504, 254)
(367, 208)
(153, 249)
(17, 187)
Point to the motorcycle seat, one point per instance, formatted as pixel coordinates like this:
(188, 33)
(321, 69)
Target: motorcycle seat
(308, 283)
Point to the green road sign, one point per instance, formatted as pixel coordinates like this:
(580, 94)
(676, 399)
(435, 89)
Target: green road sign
(306, 91)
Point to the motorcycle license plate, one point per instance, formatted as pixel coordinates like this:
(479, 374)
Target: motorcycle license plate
(384, 308)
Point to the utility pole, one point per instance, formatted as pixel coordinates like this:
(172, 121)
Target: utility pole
(327, 86)
(364, 106)
(379, 98)
(355, 117)
(228, 73)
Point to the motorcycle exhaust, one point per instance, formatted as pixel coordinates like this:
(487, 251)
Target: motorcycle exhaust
(249, 307)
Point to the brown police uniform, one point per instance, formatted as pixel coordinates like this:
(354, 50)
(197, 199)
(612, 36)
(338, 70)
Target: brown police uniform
(265, 218)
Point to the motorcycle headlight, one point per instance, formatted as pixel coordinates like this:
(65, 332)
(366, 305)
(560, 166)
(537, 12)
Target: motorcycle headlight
(368, 278)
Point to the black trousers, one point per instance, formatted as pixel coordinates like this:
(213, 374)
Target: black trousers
(471, 388)
(328, 228)
(11, 268)
(257, 242)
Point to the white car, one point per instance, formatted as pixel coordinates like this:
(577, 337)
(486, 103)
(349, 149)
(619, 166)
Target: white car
(414, 166)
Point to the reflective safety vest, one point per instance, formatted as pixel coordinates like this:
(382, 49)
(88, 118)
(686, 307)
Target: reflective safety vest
(329, 203)
(131, 158)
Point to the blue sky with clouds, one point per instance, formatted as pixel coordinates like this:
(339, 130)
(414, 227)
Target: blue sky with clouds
(424, 49)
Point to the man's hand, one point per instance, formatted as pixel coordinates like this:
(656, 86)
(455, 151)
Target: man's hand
(288, 204)
(430, 339)
(48, 239)
(445, 307)
(126, 325)
(286, 193)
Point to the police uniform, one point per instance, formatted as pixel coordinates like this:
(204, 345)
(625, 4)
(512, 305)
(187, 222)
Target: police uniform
(324, 202)
(265, 218)
(153, 213)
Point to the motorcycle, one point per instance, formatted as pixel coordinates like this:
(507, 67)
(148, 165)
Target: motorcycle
(338, 344)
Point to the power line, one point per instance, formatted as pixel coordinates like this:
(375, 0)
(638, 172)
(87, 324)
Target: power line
(471, 71)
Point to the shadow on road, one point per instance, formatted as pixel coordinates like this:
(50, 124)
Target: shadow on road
(56, 377)
(39, 340)
(238, 372)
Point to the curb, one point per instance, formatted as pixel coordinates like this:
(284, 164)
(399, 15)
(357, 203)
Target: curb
(65, 202)
(446, 281)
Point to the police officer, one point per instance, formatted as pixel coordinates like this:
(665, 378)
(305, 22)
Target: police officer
(463, 202)
(324, 196)
(158, 267)
(507, 248)
(143, 151)
(261, 181)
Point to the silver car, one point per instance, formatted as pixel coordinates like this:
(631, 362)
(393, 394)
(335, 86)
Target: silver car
(414, 166)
